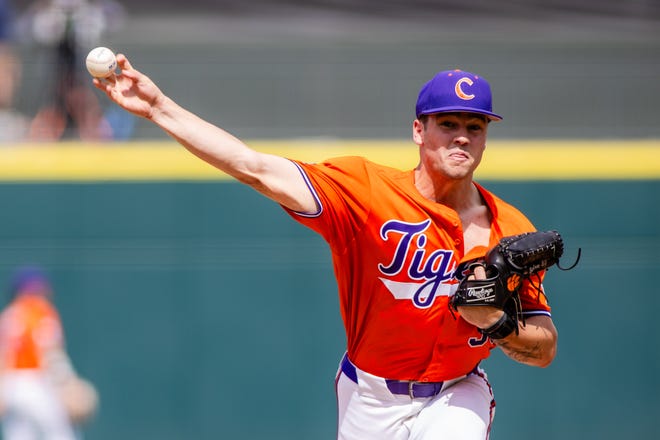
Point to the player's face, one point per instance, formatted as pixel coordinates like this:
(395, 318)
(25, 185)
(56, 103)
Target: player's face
(451, 144)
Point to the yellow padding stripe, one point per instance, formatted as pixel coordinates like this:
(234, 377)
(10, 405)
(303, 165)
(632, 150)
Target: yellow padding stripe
(503, 160)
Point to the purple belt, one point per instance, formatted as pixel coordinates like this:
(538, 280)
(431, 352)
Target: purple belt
(403, 387)
(414, 389)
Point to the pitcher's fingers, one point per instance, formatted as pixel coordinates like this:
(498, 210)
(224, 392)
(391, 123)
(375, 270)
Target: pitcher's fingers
(123, 63)
(101, 85)
(477, 271)
(131, 74)
(127, 69)
(480, 272)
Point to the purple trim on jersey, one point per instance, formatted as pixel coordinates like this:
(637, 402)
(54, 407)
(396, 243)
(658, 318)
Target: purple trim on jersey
(311, 190)
(529, 313)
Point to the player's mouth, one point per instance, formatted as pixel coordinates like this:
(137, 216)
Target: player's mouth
(459, 156)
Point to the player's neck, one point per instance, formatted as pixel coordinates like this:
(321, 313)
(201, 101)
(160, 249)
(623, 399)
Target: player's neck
(458, 194)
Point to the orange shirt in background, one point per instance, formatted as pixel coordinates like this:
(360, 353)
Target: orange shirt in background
(29, 327)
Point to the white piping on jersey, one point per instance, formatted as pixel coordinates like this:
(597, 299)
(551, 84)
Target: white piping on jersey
(312, 191)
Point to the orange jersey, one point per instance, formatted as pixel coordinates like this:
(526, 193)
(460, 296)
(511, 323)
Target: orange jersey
(396, 258)
(29, 327)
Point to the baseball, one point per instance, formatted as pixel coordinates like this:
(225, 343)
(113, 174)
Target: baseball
(101, 62)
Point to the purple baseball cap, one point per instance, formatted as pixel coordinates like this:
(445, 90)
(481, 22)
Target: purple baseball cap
(456, 91)
(29, 279)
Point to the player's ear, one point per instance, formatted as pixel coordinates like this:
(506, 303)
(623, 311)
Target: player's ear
(417, 129)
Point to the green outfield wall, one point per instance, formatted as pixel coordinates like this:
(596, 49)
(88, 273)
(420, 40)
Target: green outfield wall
(202, 311)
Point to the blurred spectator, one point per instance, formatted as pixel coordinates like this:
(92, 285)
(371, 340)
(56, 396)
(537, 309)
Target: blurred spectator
(42, 396)
(13, 125)
(6, 19)
(66, 30)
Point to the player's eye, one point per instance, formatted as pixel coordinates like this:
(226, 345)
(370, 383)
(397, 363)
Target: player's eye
(445, 123)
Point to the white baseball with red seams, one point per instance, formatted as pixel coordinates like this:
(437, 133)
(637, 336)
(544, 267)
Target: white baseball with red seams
(101, 62)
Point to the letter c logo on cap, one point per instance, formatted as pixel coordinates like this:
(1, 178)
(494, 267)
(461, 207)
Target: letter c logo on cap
(459, 92)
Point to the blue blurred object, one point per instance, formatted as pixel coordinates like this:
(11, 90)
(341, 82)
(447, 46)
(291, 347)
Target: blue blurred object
(6, 19)
(121, 123)
(29, 278)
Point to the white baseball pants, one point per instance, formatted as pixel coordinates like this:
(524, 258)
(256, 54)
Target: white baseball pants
(368, 410)
(32, 410)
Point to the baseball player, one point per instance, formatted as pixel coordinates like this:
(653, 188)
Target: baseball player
(37, 378)
(400, 242)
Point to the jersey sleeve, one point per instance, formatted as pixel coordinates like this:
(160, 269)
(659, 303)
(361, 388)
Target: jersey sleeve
(341, 188)
(533, 299)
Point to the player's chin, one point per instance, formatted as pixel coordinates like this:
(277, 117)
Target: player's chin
(459, 172)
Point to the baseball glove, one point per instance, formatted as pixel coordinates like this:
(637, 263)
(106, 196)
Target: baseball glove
(512, 260)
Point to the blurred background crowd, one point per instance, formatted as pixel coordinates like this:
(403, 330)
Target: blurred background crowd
(333, 68)
(52, 36)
